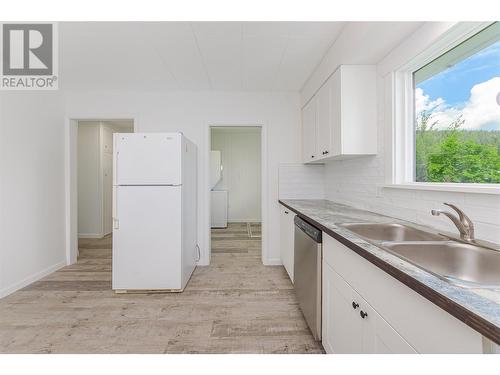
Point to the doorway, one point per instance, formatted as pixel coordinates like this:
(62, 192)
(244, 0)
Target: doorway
(236, 191)
(95, 177)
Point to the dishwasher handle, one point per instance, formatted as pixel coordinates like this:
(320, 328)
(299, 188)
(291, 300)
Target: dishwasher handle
(308, 229)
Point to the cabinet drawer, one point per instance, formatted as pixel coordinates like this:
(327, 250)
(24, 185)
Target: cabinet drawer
(428, 328)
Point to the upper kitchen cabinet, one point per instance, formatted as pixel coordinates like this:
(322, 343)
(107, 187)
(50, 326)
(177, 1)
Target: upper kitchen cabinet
(309, 153)
(324, 120)
(339, 121)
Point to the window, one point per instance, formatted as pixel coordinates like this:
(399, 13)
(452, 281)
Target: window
(457, 113)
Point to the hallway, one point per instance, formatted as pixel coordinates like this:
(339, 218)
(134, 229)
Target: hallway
(235, 305)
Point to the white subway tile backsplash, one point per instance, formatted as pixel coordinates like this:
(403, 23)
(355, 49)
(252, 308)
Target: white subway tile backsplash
(441, 196)
(487, 232)
(437, 222)
(483, 214)
(398, 212)
(359, 183)
(397, 193)
(298, 181)
(483, 200)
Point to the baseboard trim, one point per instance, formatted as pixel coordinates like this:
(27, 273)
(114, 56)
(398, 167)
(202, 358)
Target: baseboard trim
(31, 279)
(244, 221)
(90, 235)
(217, 226)
(272, 262)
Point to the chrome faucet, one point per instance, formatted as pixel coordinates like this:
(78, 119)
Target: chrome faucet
(462, 222)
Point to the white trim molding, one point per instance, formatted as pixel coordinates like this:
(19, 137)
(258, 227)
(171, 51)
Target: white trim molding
(263, 125)
(31, 279)
(460, 188)
(399, 102)
(91, 235)
(71, 179)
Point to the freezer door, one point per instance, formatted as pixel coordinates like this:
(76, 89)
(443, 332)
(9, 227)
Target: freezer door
(147, 158)
(147, 247)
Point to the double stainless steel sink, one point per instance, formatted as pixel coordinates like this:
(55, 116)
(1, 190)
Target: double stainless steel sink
(463, 264)
(390, 232)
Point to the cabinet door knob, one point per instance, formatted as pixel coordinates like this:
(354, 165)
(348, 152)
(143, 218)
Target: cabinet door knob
(355, 305)
(286, 212)
(363, 314)
(326, 152)
(312, 156)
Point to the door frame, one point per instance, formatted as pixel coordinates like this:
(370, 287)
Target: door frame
(102, 182)
(264, 194)
(71, 178)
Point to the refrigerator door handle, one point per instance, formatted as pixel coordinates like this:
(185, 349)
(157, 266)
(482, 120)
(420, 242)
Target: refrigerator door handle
(198, 255)
(116, 222)
(115, 168)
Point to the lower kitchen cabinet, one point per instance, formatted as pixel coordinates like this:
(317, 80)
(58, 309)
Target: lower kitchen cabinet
(287, 232)
(379, 337)
(365, 310)
(351, 325)
(342, 331)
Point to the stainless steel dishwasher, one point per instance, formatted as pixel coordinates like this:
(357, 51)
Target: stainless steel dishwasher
(307, 273)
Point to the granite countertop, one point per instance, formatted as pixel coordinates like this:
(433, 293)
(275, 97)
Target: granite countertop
(479, 308)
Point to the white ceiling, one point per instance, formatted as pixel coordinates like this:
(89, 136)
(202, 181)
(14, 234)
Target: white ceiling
(251, 56)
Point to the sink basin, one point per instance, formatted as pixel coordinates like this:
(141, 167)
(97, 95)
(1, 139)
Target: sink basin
(390, 232)
(462, 264)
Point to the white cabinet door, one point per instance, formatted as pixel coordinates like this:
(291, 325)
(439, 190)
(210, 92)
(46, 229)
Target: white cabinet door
(287, 230)
(342, 329)
(323, 121)
(309, 132)
(358, 89)
(378, 336)
(386, 340)
(336, 112)
(351, 325)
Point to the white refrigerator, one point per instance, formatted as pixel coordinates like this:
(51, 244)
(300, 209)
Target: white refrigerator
(154, 212)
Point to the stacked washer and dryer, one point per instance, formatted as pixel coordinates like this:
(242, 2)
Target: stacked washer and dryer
(218, 198)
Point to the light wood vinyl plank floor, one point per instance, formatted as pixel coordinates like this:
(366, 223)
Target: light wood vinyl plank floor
(235, 305)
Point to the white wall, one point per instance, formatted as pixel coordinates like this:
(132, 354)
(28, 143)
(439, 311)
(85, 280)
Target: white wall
(32, 226)
(359, 182)
(241, 160)
(192, 113)
(89, 180)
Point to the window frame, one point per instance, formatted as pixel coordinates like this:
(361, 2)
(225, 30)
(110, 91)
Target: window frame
(403, 115)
